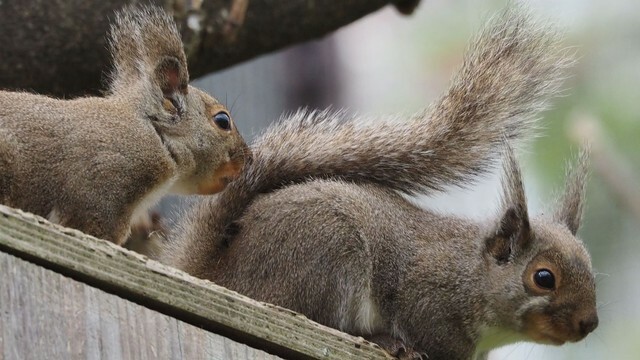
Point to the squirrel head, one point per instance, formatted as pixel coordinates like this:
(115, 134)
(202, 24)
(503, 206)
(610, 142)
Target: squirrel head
(207, 145)
(540, 281)
(150, 71)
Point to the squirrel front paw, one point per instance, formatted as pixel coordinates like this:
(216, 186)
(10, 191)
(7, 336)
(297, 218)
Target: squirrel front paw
(397, 348)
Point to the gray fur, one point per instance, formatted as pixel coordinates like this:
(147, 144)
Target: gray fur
(93, 163)
(511, 69)
(316, 223)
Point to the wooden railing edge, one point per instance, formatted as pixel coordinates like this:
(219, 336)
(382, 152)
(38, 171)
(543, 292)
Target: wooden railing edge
(134, 277)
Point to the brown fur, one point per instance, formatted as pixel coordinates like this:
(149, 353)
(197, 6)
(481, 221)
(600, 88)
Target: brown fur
(90, 163)
(316, 223)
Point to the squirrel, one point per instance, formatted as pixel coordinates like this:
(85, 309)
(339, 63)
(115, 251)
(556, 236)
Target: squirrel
(318, 221)
(97, 163)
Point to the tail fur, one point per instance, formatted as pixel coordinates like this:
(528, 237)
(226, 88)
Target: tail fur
(510, 71)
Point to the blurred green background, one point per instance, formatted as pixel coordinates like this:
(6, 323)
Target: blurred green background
(387, 64)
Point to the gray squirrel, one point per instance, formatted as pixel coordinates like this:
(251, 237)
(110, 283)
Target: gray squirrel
(317, 222)
(98, 163)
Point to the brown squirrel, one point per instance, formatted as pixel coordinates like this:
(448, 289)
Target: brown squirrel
(96, 163)
(317, 222)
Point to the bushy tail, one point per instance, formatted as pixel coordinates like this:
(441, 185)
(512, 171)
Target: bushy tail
(510, 71)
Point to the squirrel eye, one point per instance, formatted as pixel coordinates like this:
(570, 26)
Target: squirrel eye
(545, 279)
(222, 120)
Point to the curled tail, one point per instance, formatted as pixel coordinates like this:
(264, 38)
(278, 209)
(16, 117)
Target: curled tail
(510, 71)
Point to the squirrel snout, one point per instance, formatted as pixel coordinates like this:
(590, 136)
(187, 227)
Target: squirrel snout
(223, 175)
(587, 324)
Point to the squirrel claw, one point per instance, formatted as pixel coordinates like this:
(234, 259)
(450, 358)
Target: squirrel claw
(412, 355)
(397, 348)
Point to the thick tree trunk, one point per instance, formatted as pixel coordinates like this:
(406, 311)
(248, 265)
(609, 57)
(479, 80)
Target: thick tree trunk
(58, 46)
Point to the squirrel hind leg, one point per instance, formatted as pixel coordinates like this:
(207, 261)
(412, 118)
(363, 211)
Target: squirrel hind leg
(396, 347)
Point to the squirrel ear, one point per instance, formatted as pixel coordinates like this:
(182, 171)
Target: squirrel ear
(571, 204)
(171, 76)
(511, 235)
(146, 45)
(513, 230)
(161, 45)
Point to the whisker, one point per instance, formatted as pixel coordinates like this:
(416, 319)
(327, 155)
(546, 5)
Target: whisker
(530, 351)
(515, 346)
(234, 102)
(606, 304)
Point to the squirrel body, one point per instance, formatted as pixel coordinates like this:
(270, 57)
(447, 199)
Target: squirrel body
(317, 221)
(96, 163)
(335, 252)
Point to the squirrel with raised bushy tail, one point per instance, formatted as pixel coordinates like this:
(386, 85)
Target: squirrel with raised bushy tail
(318, 222)
(96, 164)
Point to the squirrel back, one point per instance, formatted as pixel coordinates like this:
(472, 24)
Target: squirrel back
(96, 163)
(510, 71)
(316, 222)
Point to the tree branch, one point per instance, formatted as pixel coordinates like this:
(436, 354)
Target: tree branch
(58, 46)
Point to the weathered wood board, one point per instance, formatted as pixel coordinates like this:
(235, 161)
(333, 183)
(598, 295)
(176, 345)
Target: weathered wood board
(108, 278)
(44, 315)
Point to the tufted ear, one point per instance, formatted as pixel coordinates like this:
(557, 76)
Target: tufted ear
(512, 232)
(171, 76)
(146, 46)
(163, 50)
(571, 204)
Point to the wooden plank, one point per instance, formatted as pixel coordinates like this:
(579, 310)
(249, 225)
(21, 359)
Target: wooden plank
(175, 293)
(44, 315)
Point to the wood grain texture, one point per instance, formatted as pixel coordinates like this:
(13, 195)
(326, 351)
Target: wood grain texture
(133, 277)
(44, 315)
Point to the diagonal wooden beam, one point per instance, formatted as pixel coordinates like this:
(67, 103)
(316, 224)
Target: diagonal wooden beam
(131, 276)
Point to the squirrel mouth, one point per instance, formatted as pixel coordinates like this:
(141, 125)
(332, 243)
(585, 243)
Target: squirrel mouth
(544, 330)
(552, 340)
(545, 338)
(225, 180)
(225, 174)
(555, 336)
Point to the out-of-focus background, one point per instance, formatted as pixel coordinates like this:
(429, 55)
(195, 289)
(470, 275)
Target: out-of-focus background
(387, 63)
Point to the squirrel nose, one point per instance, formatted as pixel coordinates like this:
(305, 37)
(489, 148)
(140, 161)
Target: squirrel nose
(588, 324)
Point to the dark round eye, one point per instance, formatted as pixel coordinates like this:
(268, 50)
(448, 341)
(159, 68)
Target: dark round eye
(222, 120)
(545, 279)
